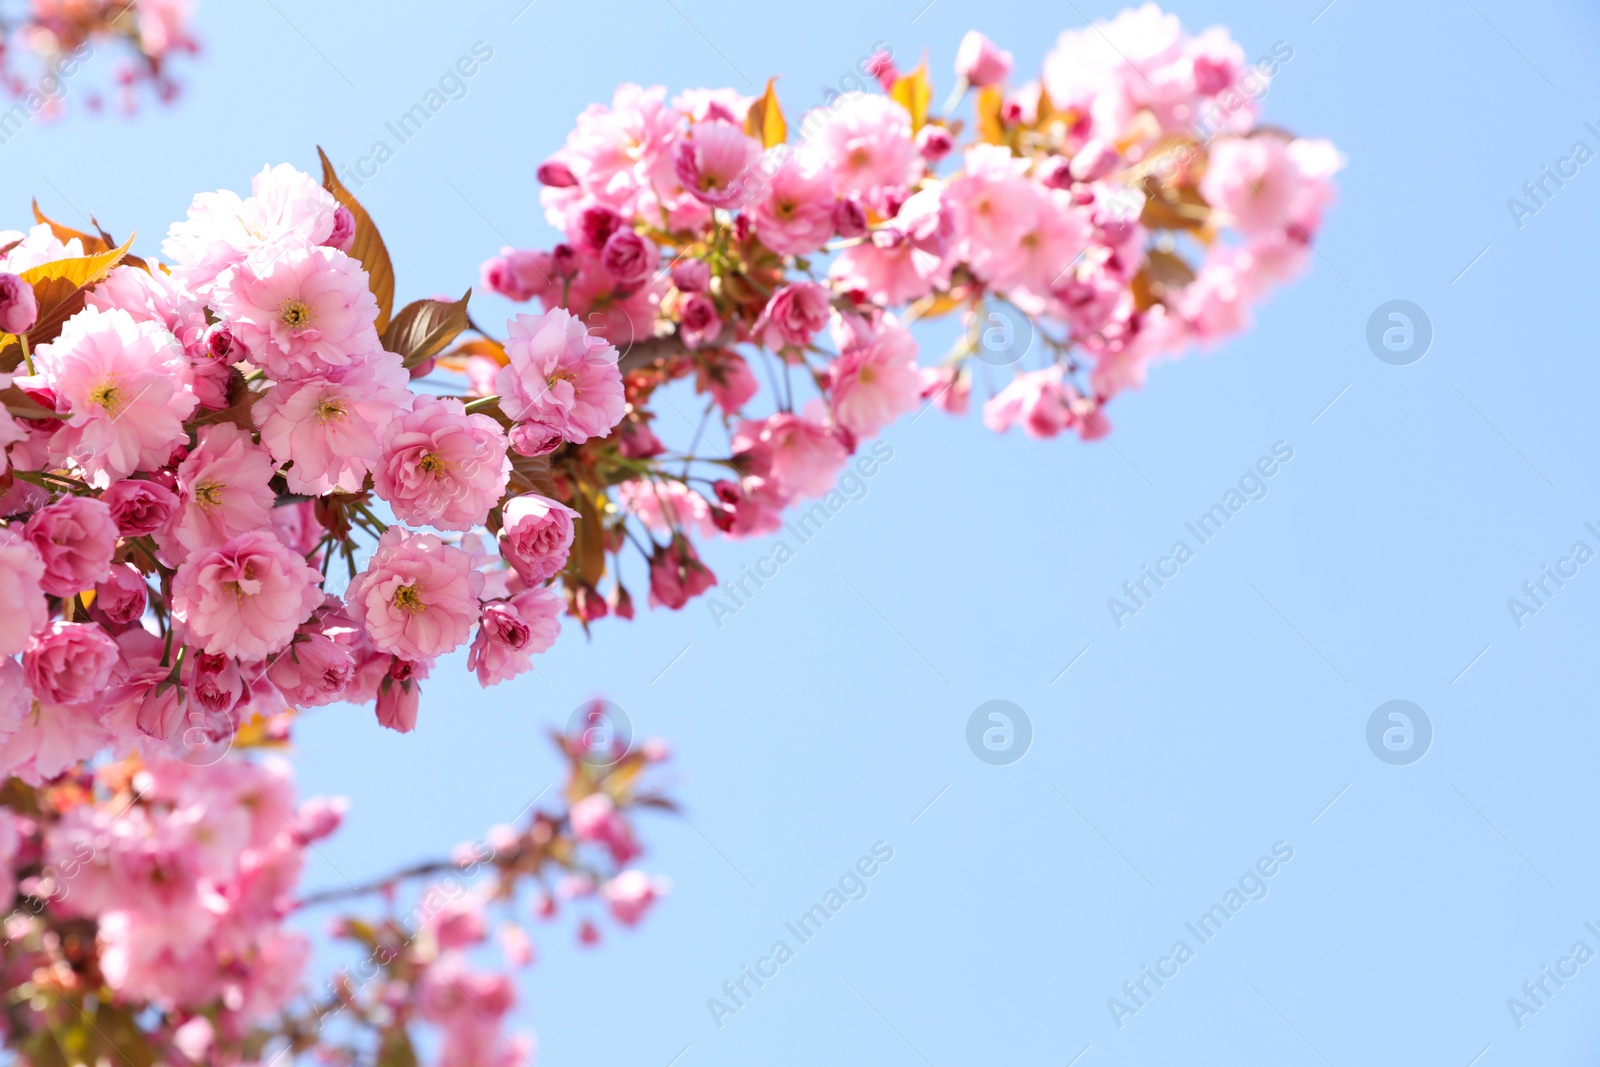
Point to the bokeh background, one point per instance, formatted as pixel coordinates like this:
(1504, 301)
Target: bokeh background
(1168, 755)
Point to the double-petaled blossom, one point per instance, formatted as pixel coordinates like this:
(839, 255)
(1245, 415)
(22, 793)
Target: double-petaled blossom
(299, 312)
(442, 467)
(536, 536)
(418, 597)
(246, 597)
(512, 631)
(76, 537)
(561, 377)
(122, 391)
(223, 490)
(329, 427)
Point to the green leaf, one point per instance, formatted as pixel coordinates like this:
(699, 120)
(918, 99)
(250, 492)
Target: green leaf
(424, 327)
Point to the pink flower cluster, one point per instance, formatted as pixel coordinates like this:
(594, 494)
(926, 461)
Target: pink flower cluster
(186, 455)
(187, 872)
(57, 38)
(1117, 209)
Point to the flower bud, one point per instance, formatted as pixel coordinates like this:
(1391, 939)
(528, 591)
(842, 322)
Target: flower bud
(344, 230)
(692, 276)
(934, 142)
(556, 174)
(849, 218)
(980, 62)
(18, 308)
(1094, 161)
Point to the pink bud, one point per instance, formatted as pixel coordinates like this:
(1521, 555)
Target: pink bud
(397, 705)
(637, 440)
(628, 258)
(534, 439)
(564, 260)
(220, 344)
(319, 817)
(596, 224)
(979, 62)
(1056, 173)
(934, 142)
(849, 218)
(692, 276)
(881, 66)
(344, 230)
(18, 308)
(161, 710)
(556, 174)
(1094, 161)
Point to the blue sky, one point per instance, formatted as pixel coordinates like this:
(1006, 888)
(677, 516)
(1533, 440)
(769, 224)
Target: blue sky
(1228, 717)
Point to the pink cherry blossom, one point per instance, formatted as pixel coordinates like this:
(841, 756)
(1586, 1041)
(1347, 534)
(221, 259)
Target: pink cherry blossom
(418, 597)
(245, 598)
(123, 388)
(874, 383)
(715, 162)
(75, 537)
(1035, 400)
(560, 376)
(223, 491)
(864, 140)
(69, 662)
(512, 631)
(699, 322)
(536, 535)
(665, 505)
(980, 62)
(795, 217)
(139, 507)
(595, 819)
(21, 591)
(19, 308)
(677, 575)
(442, 467)
(287, 210)
(330, 426)
(121, 597)
(905, 259)
(629, 896)
(793, 316)
(802, 455)
(729, 381)
(299, 312)
(314, 669)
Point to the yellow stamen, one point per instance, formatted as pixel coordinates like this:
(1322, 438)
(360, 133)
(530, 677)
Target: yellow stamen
(407, 599)
(209, 494)
(295, 314)
(107, 395)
